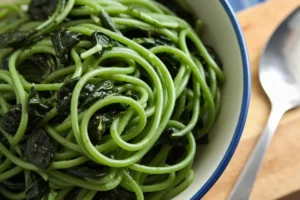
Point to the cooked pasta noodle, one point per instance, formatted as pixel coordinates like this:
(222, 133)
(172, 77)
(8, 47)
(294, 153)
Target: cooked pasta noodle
(102, 99)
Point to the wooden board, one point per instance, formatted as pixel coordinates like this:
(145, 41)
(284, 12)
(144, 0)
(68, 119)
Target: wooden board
(280, 173)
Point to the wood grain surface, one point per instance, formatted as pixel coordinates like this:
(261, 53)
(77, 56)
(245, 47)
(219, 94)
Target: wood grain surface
(280, 173)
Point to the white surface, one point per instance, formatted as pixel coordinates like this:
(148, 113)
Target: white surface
(220, 34)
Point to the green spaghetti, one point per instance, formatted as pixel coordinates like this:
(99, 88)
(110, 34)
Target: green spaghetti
(103, 99)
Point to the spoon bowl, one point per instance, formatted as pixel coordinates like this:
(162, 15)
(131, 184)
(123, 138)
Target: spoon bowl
(279, 70)
(279, 75)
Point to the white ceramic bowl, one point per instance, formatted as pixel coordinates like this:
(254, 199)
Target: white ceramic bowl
(223, 32)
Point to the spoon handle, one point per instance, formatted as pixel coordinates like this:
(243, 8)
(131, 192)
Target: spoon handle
(243, 187)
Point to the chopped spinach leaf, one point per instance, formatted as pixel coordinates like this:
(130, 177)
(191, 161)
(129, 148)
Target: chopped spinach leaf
(99, 125)
(37, 149)
(36, 109)
(152, 42)
(37, 187)
(154, 39)
(11, 120)
(171, 61)
(89, 171)
(63, 42)
(131, 94)
(40, 10)
(176, 155)
(37, 67)
(64, 96)
(144, 36)
(98, 91)
(107, 22)
(14, 38)
(35, 105)
(104, 40)
(137, 32)
(167, 138)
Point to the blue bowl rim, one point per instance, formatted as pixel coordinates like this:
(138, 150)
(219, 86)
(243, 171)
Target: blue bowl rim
(244, 107)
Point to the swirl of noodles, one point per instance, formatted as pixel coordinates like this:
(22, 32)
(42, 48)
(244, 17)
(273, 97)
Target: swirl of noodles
(149, 146)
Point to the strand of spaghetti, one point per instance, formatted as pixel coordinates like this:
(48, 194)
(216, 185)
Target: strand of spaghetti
(6, 77)
(58, 16)
(52, 195)
(55, 165)
(178, 189)
(133, 23)
(82, 193)
(50, 115)
(181, 102)
(78, 64)
(84, 11)
(68, 163)
(66, 155)
(155, 162)
(90, 195)
(12, 26)
(35, 50)
(196, 110)
(193, 36)
(5, 12)
(67, 123)
(159, 186)
(56, 74)
(6, 88)
(22, 97)
(180, 176)
(10, 173)
(102, 71)
(4, 104)
(213, 82)
(62, 140)
(41, 87)
(13, 7)
(85, 184)
(134, 133)
(97, 156)
(158, 63)
(91, 4)
(135, 187)
(63, 193)
(196, 72)
(146, 4)
(5, 165)
(165, 170)
(108, 178)
(58, 182)
(12, 196)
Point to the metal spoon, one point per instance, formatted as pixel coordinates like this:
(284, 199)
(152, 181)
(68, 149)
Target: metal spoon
(279, 75)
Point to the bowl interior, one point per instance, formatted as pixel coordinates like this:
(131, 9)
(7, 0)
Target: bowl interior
(221, 32)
